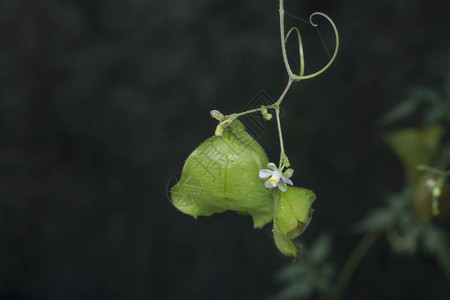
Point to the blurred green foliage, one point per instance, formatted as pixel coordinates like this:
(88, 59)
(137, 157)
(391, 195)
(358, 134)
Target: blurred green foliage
(415, 147)
(407, 219)
(406, 232)
(312, 275)
(434, 105)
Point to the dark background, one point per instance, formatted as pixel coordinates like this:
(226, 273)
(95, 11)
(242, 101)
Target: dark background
(102, 101)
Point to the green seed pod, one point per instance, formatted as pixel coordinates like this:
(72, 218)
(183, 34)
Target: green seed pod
(215, 179)
(292, 216)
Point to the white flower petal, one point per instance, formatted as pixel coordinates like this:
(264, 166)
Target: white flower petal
(264, 173)
(269, 185)
(282, 186)
(276, 175)
(272, 166)
(287, 180)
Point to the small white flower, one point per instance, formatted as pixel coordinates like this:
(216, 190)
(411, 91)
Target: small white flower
(431, 183)
(274, 175)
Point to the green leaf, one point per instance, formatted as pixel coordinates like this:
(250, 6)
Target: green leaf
(222, 174)
(294, 211)
(415, 147)
(284, 244)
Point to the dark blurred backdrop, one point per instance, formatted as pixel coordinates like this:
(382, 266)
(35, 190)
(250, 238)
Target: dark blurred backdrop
(102, 101)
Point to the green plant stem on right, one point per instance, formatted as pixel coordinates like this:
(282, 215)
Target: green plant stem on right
(353, 261)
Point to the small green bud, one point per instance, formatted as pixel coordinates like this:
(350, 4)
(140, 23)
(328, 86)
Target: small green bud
(264, 110)
(219, 130)
(267, 116)
(288, 173)
(217, 115)
(437, 191)
(285, 161)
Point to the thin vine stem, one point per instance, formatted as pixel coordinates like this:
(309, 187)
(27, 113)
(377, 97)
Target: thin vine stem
(353, 261)
(249, 112)
(272, 106)
(280, 134)
(288, 86)
(301, 76)
(292, 77)
(434, 171)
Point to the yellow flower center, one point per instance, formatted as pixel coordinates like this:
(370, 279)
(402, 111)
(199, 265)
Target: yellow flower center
(272, 179)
